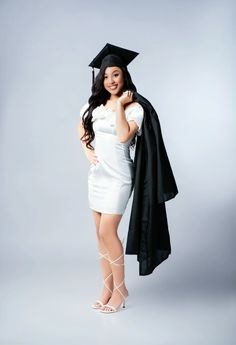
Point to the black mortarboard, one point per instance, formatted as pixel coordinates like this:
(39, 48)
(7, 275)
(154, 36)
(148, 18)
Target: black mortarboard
(112, 55)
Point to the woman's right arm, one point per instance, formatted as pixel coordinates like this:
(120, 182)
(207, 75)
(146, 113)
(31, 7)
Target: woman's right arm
(90, 154)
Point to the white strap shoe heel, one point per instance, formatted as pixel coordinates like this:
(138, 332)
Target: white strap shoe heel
(113, 309)
(98, 304)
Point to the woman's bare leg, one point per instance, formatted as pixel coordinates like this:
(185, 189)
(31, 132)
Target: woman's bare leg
(104, 263)
(108, 232)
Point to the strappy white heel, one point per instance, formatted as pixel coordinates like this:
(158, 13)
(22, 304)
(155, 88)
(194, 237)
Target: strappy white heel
(116, 287)
(98, 304)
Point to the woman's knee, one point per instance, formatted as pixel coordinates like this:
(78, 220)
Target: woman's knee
(97, 233)
(101, 233)
(108, 227)
(105, 233)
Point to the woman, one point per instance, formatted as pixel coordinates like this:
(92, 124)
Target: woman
(114, 120)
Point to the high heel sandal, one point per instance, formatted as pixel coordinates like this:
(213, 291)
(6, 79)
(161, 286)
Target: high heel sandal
(116, 287)
(98, 304)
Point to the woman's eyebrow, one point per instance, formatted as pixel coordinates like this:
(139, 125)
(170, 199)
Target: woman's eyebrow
(116, 70)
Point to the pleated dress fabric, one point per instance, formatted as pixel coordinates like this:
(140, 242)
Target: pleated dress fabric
(110, 180)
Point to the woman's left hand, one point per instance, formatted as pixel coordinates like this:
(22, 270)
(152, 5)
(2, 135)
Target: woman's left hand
(126, 97)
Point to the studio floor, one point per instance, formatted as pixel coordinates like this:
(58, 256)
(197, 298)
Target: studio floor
(50, 305)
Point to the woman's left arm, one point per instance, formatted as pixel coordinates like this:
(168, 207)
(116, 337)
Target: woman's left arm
(125, 130)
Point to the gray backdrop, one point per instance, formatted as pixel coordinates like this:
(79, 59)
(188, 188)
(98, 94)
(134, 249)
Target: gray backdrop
(49, 262)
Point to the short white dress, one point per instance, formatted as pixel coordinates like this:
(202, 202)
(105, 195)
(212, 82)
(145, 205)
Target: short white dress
(110, 179)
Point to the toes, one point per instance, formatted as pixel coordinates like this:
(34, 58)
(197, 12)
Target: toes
(107, 309)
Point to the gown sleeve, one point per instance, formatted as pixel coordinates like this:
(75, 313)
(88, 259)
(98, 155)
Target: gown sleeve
(135, 113)
(82, 110)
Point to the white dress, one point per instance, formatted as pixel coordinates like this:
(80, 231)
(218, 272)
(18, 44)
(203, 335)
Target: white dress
(110, 179)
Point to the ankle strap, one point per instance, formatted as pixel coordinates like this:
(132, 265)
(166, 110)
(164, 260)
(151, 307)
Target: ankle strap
(104, 256)
(116, 287)
(114, 261)
(104, 281)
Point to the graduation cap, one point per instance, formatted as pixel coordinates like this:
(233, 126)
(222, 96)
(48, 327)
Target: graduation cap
(111, 56)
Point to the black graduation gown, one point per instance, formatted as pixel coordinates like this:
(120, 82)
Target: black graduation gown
(153, 184)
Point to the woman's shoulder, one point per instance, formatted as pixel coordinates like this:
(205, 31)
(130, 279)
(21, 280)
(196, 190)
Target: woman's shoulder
(134, 106)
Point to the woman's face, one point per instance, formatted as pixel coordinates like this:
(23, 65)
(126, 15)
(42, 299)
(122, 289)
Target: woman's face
(113, 80)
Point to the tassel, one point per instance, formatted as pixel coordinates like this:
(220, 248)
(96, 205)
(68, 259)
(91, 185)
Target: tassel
(93, 75)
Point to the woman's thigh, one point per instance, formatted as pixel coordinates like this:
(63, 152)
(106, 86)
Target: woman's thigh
(109, 224)
(97, 220)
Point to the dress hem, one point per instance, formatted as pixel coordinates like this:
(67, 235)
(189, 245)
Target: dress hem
(107, 212)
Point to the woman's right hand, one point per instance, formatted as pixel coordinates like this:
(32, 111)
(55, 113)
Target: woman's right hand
(92, 156)
(126, 97)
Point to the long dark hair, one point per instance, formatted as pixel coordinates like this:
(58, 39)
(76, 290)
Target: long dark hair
(99, 96)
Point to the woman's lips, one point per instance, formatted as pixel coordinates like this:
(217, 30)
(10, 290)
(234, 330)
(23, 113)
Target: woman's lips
(113, 87)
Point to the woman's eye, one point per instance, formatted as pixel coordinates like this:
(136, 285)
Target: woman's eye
(116, 75)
